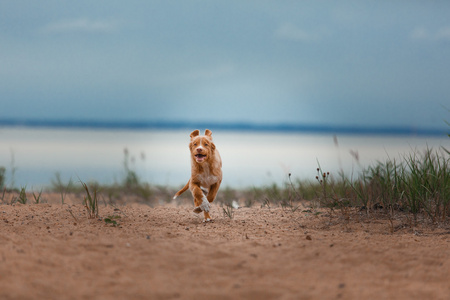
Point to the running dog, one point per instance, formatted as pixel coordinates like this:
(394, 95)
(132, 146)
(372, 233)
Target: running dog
(206, 172)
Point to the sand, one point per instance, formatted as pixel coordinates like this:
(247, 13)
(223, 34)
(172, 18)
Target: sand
(53, 251)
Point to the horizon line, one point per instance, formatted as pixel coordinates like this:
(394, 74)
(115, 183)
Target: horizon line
(228, 126)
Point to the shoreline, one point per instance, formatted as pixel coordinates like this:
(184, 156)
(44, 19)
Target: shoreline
(238, 127)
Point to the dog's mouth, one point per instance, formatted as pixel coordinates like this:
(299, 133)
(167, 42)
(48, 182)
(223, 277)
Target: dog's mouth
(200, 157)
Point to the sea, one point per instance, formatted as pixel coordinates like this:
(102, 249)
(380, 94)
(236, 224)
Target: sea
(34, 157)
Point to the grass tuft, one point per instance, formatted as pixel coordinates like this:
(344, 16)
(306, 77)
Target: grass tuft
(228, 211)
(90, 202)
(22, 199)
(419, 184)
(37, 199)
(111, 220)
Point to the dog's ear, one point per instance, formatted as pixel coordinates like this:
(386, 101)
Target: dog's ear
(208, 132)
(195, 133)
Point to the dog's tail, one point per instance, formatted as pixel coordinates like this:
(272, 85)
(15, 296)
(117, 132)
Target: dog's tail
(182, 190)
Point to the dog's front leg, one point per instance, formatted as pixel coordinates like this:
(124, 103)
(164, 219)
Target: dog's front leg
(200, 201)
(213, 192)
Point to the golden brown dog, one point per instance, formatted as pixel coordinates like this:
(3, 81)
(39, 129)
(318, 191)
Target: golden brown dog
(206, 172)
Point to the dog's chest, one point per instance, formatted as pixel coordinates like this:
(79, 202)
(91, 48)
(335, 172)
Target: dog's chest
(206, 178)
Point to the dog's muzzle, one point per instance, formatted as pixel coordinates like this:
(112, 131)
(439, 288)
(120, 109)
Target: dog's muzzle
(200, 157)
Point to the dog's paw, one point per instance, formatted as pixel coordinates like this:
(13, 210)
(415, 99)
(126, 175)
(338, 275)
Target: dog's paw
(204, 206)
(207, 220)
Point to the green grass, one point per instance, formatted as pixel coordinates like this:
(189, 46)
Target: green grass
(2, 177)
(425, 184)
(228, 211)
(112, 220)
(22, 199)
(417, 184)
(90, 202)
(37, 199)
(3, 194)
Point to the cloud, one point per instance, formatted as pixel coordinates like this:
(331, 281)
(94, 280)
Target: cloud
(421, 33)
(79, 25)
(289, 31)
(443, 33)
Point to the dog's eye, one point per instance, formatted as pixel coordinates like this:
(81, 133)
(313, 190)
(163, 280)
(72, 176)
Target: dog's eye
(206, 145)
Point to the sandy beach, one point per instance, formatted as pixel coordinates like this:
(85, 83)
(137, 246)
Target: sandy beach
(54, 251)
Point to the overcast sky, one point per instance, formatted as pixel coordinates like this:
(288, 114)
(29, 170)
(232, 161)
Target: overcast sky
(366, 63)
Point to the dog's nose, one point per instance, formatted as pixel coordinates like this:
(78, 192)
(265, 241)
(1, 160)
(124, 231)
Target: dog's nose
(199, 150)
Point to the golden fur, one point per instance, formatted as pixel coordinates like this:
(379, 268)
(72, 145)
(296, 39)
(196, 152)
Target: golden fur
(206, 172)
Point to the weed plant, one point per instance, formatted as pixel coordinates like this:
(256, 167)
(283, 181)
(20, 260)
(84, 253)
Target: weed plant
(131, 183)
(228, 211)
(425, 184)
(266, 203)
(37, 199)
(417, 184)
(112, 220)
(59, 186)
(90, 202)
(22, 199)
(3, 194)
(2, 177)
(131, 179)
(294, 197)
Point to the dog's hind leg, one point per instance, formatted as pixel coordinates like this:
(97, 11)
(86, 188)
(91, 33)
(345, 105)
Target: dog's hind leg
(207, 217)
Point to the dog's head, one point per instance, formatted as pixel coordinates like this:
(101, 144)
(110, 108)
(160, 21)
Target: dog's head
(202, 146)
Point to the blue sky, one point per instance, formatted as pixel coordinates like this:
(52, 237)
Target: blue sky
(362, 63)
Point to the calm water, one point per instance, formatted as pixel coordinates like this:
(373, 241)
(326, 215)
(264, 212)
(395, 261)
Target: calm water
(162, 157)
